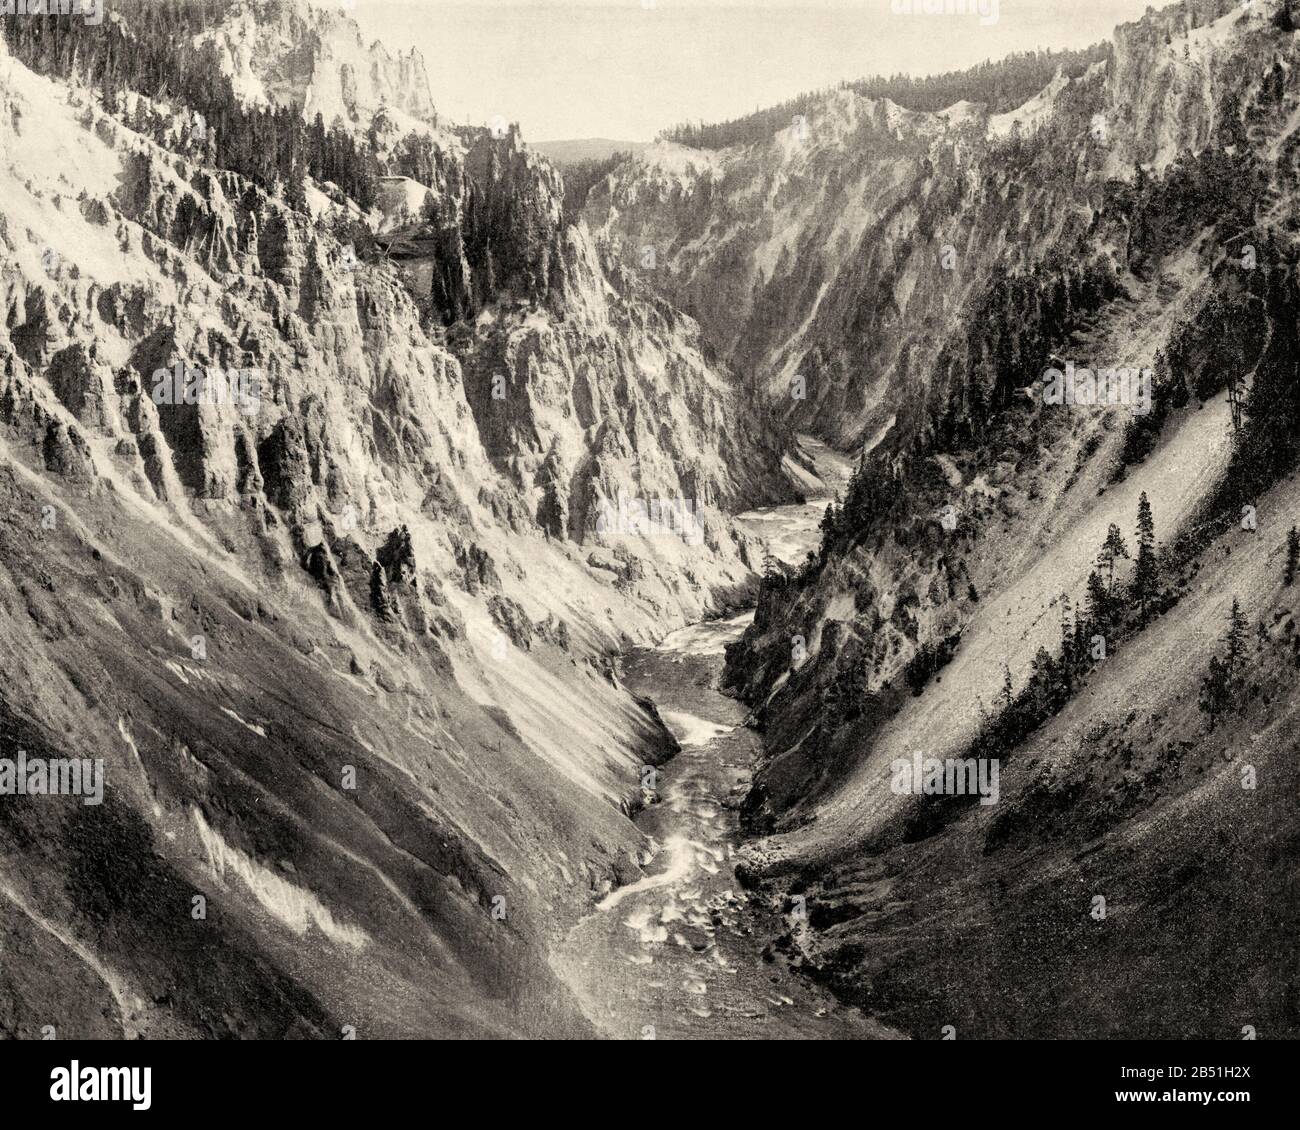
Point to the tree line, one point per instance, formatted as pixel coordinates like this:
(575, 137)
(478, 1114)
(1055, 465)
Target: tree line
(1001, 85)
(150, 52)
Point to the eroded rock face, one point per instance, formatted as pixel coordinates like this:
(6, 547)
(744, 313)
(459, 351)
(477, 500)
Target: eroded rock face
(976, 554)
(905, 586)
(276, 613)
(81, 384)
(65, 452)
(838, 259)
(281, 52)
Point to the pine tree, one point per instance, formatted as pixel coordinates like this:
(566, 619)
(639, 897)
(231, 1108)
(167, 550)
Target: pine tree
(828, 526)
(1067, 642)
(1292, 554)
(295, 189)
(1081, 636)
(1214, 698)
(1098, 606)
(1235, 638)
(1112, 548)
(1145, 522)
(1222, 689)
(1045, 681)
(108, 93)
(1270, 436)
(1146, 572)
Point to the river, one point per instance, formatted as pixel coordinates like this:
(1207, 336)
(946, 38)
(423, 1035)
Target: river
(684, 953)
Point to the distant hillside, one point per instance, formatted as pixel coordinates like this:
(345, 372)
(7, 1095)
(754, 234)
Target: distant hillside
(1002, 85)
(575, 150)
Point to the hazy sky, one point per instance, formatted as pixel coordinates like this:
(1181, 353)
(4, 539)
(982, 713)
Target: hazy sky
(626, 69)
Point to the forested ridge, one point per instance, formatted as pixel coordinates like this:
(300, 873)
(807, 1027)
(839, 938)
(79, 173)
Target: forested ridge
(1001, 85)
(485, 226)
(149, 50)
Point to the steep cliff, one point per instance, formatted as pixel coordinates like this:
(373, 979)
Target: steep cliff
(1140, 215)
(315, 60)
(340, 624)
(836, 259)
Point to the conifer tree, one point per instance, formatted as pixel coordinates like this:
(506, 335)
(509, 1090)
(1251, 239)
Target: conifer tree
(1045, 682)
(1214, 698)
(829, 524)
(1098, 606)
(1080, 637)
(1067, 642)
(1221, 689)
(1112, 548)
(1235, 638)
(1146, 575)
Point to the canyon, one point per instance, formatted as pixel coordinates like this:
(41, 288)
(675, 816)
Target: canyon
(525, 651)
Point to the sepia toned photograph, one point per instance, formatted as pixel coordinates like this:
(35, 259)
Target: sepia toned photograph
(731, 520)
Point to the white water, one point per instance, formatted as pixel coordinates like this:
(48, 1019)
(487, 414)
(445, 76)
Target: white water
(683, 952)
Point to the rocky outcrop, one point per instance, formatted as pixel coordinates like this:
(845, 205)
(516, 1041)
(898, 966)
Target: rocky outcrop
(327, 632)
(281, 52)
(935, 621)
(837, 259)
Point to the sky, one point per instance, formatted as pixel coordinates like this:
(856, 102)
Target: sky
(626, 69)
